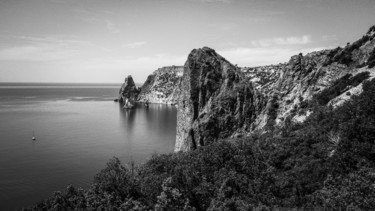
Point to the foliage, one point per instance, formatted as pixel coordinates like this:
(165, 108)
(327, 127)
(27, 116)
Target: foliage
(272, 112)
(172, 199)
(372, 29)
(331, 55)
(328, 162)
(355, 191)
(344, 56)
(340, 86)
(117, 179)
(371, 59)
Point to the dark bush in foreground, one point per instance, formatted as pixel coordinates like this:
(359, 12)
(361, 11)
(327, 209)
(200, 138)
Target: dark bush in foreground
(326, 163)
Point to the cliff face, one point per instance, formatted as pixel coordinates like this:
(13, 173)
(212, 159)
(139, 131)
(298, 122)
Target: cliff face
(162, 86)
(304, 77)
(128, 93)
(219, 100)
(216, 100)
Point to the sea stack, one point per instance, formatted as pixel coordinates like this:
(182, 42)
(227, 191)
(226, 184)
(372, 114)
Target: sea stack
(128, 93)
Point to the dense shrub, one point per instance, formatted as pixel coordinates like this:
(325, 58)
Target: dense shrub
(371, 59)
(117, 179)
(344, 56)
(355, 191)
(340, 86)
(331, 55)
(372, 29)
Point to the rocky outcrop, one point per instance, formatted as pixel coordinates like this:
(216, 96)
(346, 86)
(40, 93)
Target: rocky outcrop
(219, 100)
(162, 86)
(307, 76)
(128, 93)
(290, 87)
(216, 100)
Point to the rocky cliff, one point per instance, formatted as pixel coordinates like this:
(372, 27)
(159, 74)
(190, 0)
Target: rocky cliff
(219, 100)
(216, 100)
(128, 93)
(162, 86)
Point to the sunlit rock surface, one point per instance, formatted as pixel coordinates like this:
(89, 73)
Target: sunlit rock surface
(162, 86)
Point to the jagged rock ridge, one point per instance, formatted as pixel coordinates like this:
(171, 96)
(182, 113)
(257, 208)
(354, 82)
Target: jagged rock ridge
(219, 100)
(162, 86)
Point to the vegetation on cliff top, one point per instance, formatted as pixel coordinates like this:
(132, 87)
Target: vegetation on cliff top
(327, 162)
(345, 55)
(340, 86)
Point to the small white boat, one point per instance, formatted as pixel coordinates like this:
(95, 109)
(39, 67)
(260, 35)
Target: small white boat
(33, 138)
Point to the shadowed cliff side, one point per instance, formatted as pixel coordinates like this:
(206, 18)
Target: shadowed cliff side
(216, 100)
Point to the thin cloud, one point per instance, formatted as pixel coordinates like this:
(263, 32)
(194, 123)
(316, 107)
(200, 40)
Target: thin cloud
(135, 44)
(329, 37)
(44, 48)
(228, 26)
(37, 53)
(57, 39)
(112, 27)
(138, 67)
(274, 13)
(147, 62)
(245, 56)
(213, 1)
(305, 39)
(97, 16)
(257, 20)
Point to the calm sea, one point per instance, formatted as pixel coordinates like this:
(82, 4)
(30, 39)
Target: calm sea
(78, 129)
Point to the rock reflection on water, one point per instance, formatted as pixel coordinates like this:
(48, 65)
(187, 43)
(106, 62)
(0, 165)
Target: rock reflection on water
(149, 127)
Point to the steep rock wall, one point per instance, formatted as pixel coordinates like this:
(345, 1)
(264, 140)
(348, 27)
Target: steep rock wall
(216, 100)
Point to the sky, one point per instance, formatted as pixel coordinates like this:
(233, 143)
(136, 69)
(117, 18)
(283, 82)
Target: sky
(103, 41)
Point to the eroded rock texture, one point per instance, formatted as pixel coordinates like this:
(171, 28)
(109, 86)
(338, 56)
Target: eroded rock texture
(162, 86)
(216, 100)
(128, 93)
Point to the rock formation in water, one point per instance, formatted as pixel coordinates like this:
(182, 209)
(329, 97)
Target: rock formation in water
(128, 93)
(162, 86)
(219, 100)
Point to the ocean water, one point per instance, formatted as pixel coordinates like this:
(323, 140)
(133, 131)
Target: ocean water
(78, 129)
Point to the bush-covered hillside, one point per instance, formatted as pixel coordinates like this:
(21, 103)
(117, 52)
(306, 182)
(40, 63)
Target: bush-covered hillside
(340, 86)
(326, 163)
